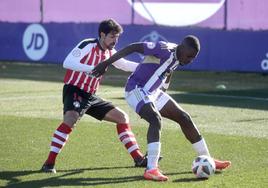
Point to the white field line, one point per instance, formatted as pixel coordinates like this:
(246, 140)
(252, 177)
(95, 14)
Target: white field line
(227, 96)
(258, 133)
(114, 92)
(27, 97)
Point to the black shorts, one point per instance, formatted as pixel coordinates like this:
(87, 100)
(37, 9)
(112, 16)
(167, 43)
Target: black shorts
(83, 102)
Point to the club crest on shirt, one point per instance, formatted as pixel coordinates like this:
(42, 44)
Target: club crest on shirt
(76, 53)
(152, 38)
(76, 104)
(150, 45)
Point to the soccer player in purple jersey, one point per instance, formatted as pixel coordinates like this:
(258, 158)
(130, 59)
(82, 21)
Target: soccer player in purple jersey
(145, 93)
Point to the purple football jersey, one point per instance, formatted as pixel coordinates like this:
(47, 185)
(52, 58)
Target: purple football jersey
(152, 71)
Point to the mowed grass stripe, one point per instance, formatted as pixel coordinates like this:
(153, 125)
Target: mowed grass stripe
(235, 129)
(174, 92)
(248, 122)
(210, 115)
(94, 157)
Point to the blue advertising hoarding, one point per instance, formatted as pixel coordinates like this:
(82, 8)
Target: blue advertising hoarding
(243, 51)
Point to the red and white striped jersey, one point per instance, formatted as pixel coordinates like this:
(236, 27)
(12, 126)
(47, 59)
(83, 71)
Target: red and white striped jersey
(87, 52)
(83, 58)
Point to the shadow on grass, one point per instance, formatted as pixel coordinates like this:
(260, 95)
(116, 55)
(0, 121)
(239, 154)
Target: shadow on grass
(31, 71)
(254, 98)
(52, 73)
(185, 180)
(224, 100)
(62, 178)
(194, 179)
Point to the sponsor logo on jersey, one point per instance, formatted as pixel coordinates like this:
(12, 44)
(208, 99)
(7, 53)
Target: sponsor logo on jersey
(76, 53)
(150, 45)
(152, 38)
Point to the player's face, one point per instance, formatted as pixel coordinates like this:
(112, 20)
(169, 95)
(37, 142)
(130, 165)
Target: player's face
(186, 55)
(110, 40)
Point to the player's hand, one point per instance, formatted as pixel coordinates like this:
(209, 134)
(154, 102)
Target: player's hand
(100, 69)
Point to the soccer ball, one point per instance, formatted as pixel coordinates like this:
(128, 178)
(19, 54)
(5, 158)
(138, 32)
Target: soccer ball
(203, 166)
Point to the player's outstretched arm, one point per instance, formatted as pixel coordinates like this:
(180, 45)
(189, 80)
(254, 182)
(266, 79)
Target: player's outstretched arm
(101, 68)
(72, 61)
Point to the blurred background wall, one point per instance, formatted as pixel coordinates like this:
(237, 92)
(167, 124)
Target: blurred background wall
(233, 33)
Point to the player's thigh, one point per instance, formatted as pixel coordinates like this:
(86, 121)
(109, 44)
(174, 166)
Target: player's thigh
(116, 115)
(143, 104)
(137, 98)
(149, 113)
(160, 99)
(75, 103)
(172, 110)
(99, 108)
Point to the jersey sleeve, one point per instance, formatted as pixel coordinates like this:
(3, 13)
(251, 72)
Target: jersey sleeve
(125, 65)
(72, 61)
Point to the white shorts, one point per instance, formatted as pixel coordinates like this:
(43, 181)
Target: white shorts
(137, 97)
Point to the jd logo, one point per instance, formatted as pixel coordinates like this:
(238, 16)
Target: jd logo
(35, 42)
(264, 63)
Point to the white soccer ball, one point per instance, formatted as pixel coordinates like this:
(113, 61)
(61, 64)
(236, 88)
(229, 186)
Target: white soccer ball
(203, 166)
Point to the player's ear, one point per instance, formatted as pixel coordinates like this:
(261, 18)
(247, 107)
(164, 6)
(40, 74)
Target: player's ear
(102, 35)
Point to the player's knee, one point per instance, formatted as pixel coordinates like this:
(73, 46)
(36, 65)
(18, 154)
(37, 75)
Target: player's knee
(122, 117)
(185, 117)
(125, 118)
(70, 118)
(153, 118)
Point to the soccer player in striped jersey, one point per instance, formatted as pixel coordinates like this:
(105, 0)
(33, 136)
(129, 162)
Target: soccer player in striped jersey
(145, 94)
(79, 93)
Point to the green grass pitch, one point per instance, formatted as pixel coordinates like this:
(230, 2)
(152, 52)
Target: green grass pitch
(234, 121)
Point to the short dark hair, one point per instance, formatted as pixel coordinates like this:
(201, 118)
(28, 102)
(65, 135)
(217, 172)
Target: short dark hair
(192, 42)
(106, 26)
